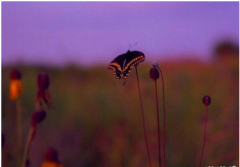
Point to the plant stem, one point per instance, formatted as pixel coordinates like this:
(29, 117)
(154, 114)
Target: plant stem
(164, 121)
(19, 129)
(204, 136)
(144, 129)
(159, 139)
(27, 146)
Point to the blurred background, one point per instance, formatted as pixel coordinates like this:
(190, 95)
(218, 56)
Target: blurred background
(196, 45)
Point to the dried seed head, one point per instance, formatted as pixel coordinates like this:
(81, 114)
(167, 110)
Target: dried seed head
(51, 154)
(154, 64)
(38, 116)
(43, 81)
(206, 100)
(15, 74)
(154, 74)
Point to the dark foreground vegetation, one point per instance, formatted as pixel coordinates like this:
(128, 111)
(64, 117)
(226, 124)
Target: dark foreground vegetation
(96, 124)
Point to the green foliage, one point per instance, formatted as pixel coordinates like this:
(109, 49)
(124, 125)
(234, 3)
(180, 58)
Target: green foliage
(98, 124)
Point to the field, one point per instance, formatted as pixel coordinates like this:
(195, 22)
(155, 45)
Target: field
(96, 124)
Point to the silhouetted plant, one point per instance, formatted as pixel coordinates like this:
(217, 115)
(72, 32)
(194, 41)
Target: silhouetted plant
(154, 74)
(42, 92)
(122, 66)
(15, 91)
(15, 84)
(206, 101)
(37, 117)
(143, 120)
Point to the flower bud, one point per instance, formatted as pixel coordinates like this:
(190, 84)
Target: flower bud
(15, 74)
(43, 81)
(38, 116)
(206, 100)
(154, 74)
(15, 89)
(51, 154)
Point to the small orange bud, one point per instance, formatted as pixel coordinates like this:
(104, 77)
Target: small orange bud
(15, 89)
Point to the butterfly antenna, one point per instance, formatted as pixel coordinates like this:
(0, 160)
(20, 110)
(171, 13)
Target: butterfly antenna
(131, 46)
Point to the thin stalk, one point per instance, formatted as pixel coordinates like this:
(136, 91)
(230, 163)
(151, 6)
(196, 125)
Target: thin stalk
(144, 128)
(27, 146)
(164, 121)
(204, 136)
(19, 129)
(159, 139)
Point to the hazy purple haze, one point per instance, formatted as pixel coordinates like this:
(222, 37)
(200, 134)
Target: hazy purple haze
(88, 33)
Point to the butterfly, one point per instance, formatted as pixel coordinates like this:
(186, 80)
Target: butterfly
(123, 63)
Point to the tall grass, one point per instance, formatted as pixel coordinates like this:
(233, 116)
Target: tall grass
(86, 122)
(143, 119)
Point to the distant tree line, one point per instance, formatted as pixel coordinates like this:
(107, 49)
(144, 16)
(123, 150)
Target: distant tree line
(226, 49)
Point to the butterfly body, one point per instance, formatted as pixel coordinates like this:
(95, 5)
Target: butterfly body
(123, 63)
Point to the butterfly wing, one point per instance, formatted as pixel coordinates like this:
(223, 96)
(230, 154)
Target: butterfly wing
(123, 63)
(117, 65)
(132, 58)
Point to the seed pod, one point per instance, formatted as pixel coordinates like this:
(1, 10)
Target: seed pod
(154, 74)
(51, 154)
(38, 116)
(15, 74)
(43, 81)
(206, 100)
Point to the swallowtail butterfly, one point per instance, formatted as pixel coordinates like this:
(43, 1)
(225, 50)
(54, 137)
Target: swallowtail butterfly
(123, 63)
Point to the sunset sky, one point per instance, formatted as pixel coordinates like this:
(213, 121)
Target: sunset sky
(88, 33)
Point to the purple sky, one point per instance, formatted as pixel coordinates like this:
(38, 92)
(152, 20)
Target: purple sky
(88, 33)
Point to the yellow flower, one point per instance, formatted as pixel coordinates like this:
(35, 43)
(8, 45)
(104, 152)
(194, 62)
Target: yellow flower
(51, 164)
(15, 88)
